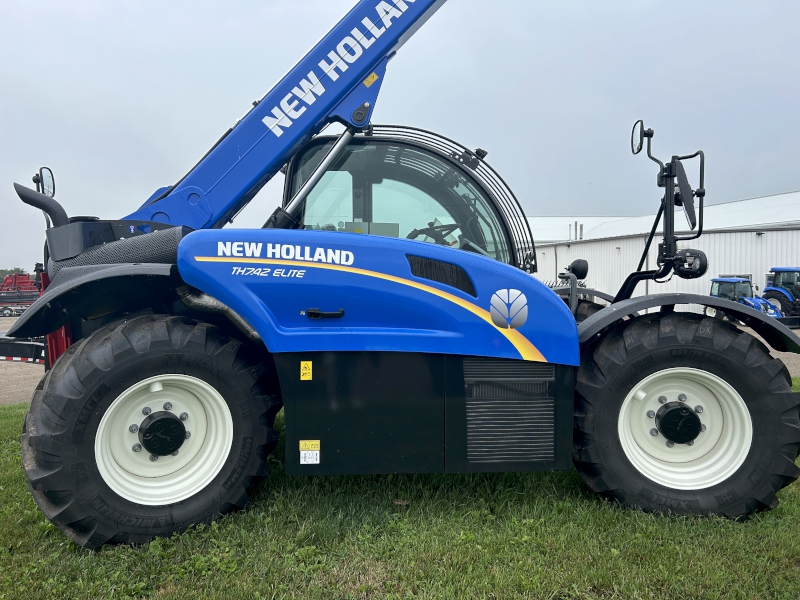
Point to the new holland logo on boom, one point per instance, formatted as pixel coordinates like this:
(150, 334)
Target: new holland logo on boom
(347, 52)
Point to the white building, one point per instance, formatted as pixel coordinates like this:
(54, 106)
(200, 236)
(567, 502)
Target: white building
(746, 238)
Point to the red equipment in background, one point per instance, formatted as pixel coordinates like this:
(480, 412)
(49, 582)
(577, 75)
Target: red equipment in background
(19, 288)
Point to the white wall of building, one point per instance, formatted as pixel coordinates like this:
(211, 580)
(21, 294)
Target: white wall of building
(728, 252)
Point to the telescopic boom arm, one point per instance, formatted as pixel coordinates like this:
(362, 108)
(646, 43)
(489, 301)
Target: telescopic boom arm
(337, 81)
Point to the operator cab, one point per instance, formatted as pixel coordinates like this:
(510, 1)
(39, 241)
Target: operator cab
(731, 288)
(403, 183)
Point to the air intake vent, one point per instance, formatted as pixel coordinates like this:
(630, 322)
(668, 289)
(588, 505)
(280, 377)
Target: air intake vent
(510, 411)
(443, 272)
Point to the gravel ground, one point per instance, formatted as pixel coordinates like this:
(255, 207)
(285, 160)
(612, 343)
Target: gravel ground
(18, 380)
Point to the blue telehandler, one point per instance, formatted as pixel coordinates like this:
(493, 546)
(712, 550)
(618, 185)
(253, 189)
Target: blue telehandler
(388, 307)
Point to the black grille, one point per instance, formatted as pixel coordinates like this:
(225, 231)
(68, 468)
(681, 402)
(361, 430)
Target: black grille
(510, 410)
(156, 247)
(443, 272)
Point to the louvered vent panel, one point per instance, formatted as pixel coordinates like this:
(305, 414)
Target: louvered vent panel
(510, 411)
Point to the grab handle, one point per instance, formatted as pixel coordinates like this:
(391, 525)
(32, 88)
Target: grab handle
(315, 313)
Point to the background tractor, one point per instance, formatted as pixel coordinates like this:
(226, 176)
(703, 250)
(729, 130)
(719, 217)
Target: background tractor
(740, 290)
(782, 288)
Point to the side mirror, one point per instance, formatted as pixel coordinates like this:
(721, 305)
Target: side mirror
(580, 268)
(637, 137)
(686, 195)
(756, 287)
(45, 182)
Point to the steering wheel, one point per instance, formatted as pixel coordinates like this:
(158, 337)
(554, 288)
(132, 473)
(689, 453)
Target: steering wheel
(437, 232)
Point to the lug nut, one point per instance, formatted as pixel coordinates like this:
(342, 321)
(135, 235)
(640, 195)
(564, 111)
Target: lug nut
(691, 443)
(703, 427)
(662, 399)
(184, 416)
(651, 414)
(133, 428)
(146, 410)
(188, 434)
(654, 431)
(153, 458)
(698, 409)
(167, 405)
(175, 453)
(137, 448)
(670, 443)
(682, 397)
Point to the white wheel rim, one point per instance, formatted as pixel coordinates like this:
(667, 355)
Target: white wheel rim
(170, 479)
(716, 454)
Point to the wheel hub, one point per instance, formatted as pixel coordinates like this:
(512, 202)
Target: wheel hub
(678, 423)
(162, 433)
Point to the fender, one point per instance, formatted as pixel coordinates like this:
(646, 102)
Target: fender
(94, 291)
(777, 335)
(779, 290)
(564, 291)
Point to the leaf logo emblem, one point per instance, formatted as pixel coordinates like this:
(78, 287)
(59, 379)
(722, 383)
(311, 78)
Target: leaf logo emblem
(509, 309)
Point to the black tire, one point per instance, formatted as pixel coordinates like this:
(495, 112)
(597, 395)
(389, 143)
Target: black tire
(7, 312)
(586, 309)
(635, 349)
(58, 444)
(781, 302)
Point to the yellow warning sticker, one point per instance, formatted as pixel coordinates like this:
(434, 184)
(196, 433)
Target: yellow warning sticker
(373, 77)
(309, 445)
(305, 370)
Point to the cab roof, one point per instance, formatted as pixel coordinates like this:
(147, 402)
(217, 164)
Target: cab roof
(731, 279)
(784, 269)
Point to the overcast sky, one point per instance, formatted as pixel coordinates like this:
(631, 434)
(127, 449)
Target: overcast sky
(122, 97)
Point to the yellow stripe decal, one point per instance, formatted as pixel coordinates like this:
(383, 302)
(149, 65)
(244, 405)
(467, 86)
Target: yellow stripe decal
(526, 350)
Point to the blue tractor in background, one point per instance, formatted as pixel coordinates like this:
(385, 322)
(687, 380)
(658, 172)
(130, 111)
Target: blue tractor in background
(783, 290)
(739, 289)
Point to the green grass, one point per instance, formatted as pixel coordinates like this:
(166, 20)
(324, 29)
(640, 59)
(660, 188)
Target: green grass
(540, 535)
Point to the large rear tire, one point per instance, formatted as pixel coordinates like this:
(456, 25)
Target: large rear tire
(149, 426)
(718, 385)
(780, 302)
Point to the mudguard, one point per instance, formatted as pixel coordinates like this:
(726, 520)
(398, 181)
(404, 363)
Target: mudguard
(779, 291)
(94, 291)
(316, 291)
(777, 335)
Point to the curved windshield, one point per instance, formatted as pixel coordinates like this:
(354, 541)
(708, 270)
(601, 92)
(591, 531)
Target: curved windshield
(732, 290)
(390, 189)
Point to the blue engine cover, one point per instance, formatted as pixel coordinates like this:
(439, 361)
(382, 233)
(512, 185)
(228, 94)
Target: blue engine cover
(761, 304)
(272, 277)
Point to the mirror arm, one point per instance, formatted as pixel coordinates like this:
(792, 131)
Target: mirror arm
(649, 135)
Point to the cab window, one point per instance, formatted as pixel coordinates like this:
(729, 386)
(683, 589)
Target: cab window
(385, 188)
(725, 291)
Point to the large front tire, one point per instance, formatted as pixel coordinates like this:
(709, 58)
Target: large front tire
(149, 426)
(746, 436)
